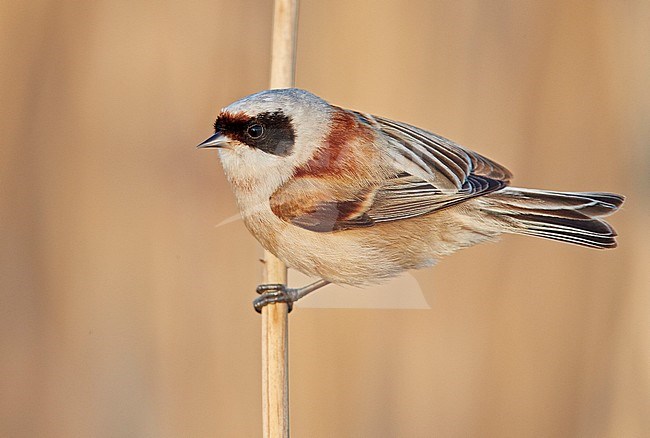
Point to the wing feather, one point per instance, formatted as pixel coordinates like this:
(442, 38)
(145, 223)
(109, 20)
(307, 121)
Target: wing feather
(444, 156)
(407, 196)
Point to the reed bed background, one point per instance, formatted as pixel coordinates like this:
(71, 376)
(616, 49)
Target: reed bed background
(125, 312)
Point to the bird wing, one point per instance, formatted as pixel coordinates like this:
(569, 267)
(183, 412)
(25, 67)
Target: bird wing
(444, 163)
(432, 173)
(407, 196)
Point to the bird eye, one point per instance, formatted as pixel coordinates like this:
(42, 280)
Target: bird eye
(255, 131)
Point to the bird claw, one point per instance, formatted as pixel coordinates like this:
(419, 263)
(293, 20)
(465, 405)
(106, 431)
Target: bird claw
(273, 293)
(279, 293)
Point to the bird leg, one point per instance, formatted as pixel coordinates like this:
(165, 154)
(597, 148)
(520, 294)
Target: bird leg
(279, 293)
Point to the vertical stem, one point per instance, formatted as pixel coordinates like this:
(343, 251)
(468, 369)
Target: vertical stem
(275, 357)
(283, 55)
(275, 329)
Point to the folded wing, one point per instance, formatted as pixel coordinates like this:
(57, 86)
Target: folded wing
(432, 173)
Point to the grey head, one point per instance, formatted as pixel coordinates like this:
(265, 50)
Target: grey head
(272, 121)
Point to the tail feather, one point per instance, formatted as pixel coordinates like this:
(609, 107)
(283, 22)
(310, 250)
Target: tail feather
(564, 216)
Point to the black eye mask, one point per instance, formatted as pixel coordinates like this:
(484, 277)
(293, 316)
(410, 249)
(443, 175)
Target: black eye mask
(270, 132)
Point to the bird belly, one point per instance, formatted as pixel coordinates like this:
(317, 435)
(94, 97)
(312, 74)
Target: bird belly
(366, 255)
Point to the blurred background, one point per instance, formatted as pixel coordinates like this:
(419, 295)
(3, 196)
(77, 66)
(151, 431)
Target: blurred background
(125, 312)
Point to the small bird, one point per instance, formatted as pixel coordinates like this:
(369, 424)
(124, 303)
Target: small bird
(356, 199)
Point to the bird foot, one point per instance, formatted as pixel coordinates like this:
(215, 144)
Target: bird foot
(279, 293)
(274, 293)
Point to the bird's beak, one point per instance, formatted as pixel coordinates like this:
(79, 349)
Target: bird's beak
(216, 141)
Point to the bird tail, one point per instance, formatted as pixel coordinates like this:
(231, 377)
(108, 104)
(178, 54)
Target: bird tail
(572, 217)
